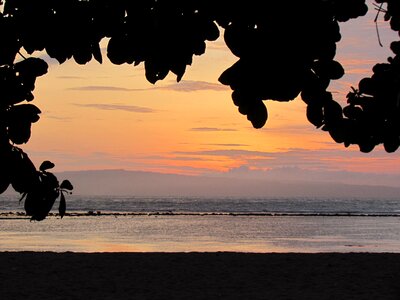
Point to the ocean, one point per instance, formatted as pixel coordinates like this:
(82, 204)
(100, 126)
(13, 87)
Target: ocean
(186, 224)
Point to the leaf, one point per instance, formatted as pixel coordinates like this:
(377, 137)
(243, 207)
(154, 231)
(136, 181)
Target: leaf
(212, 31)
(63, 206)
(66, 184)
(41, 199)
(82, 55)
(39, 202)
(97, 52)
(391, 143)
(155, 70)
(315, 115)
(332, 112)
(5, 176)
(24, 176)
(33, 66)
(330, 69)
(395, 47)
(19, 132)
(366, 146)
(179, 70)
(3, 185)
(257, 114)
(46, 165)
(25, 112)
(367, 86)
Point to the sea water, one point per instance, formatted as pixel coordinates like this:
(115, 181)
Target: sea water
(169, 224)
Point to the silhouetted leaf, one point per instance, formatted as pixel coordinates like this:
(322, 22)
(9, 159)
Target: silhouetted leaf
(366, 146)
(391, 143)
(4, 183)
(20, 118)
(155, 71)
(367, 86)
(66, 184)
(62, 206)
(179, 70)
(257, 114)
(212, 31)
(46, 165)
(315, 115)
(31, 203)
(42, 197)
(332, 112)
(32, 66)
(395, 47)
(19, 132)
(28, 112)
(5, 172)
(328, 69)
(10, 43)
(83, 55)
(353, 112)
(23, 173)
(97, 53)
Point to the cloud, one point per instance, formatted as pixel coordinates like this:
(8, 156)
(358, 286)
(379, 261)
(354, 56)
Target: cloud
(128, 108)
(211, 129)
(227, 152)
(70, 77)
(193, 86)
(183, 86)
(58, 118)
(349, 63)
(319, 159)
(228, 145)
(99, 88)
(158, 158)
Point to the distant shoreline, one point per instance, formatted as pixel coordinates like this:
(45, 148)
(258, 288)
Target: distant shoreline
(199, 275)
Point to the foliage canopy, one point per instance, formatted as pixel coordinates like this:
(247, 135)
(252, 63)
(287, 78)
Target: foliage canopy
(284, 49)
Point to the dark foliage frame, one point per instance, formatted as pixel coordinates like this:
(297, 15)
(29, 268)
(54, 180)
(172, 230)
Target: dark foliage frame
(284, 49)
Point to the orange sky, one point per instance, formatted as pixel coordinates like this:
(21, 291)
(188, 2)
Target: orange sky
(109, 117)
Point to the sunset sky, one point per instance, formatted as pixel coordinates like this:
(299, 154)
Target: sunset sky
(104, 116)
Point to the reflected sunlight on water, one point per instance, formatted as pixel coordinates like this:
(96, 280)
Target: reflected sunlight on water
(202, 233)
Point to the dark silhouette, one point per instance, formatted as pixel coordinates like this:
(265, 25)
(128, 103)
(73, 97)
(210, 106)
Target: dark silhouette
(284, 48)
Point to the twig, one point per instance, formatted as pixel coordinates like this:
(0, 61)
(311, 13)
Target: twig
(19, 52)
(379, 9)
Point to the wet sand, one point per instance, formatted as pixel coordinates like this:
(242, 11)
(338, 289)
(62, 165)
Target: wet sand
(194, 275)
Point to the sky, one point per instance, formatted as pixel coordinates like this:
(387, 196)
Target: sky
(105, 116)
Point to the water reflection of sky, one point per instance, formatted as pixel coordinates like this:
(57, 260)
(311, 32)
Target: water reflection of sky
(202, 233)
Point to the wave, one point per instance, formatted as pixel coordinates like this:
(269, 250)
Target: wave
(22, 215)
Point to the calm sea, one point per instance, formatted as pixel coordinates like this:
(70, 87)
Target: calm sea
(169, 224)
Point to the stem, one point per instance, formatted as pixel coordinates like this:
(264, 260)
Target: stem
(379, 9)
(19, 52)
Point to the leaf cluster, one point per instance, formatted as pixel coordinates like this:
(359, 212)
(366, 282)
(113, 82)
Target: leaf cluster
(39, 188)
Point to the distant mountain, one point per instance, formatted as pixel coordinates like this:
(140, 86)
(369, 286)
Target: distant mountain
(121, 182)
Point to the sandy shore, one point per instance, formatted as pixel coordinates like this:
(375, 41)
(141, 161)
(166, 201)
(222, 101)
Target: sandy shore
(221, 275)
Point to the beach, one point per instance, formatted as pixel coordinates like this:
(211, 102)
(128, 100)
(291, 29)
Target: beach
(199, 275)
(204, 249)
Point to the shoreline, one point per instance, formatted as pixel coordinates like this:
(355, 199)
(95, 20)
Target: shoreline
(199, 275)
